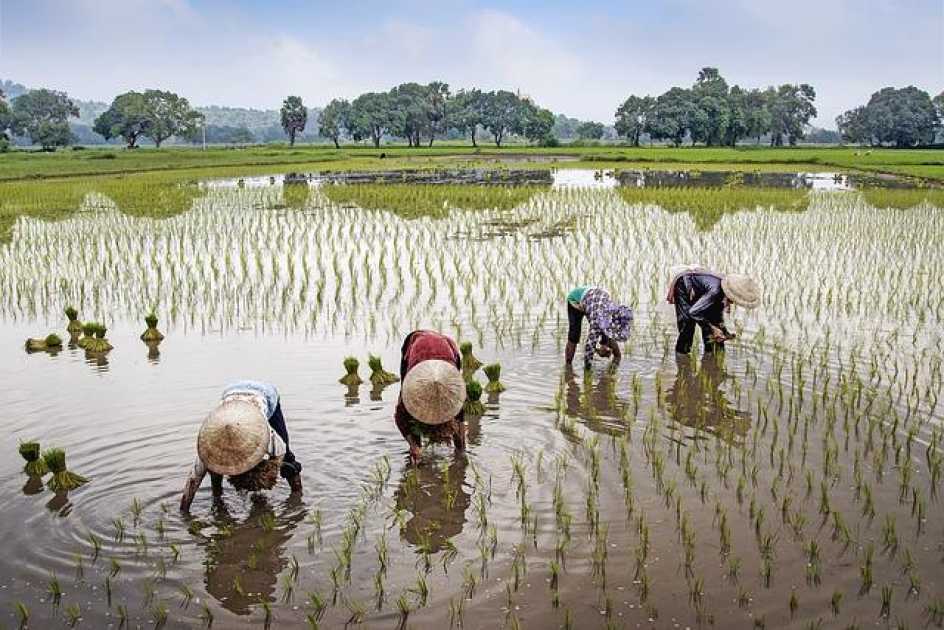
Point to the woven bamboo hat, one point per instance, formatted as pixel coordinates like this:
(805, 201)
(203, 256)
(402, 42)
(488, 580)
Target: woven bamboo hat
(433, 391)
(233, 438)
(741, 289)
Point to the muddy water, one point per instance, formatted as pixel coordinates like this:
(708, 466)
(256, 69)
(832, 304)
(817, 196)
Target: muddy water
(836, 377)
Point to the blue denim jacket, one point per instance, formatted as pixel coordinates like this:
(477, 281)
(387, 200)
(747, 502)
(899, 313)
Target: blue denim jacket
(266, 391)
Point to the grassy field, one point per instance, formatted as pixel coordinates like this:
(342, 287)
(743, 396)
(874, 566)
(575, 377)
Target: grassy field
(19, 165)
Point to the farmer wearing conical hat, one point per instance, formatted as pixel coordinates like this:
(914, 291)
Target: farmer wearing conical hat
(609, 324)
(701, 297)
(432, 392)
(245, 439)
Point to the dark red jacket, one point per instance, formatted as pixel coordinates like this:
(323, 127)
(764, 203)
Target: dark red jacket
(423, 345)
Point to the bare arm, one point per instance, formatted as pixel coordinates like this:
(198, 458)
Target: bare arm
(197, 473)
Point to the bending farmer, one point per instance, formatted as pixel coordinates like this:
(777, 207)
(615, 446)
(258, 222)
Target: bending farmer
(432, 393)
(245, 439)
(609, 323)
(701, 297)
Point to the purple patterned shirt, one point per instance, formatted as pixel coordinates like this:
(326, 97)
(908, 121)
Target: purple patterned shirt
(607, 320)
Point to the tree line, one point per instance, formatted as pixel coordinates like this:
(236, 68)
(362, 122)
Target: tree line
(716, 114)
(709, 112)
(421, 113)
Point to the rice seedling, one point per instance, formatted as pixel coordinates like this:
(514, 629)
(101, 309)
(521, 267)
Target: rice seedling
(62, 480)
(357, 610)
(22, 614)
(835, 602)
(73, 614)
(317, 603)
(886, 602)
(35, 465)
(74, 326)
(421, 590)
(493, 372)
(206, 616)
(186, 595)
(54, 590)
(404, 609)
(351, 378)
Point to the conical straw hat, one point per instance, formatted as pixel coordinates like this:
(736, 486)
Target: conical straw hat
(233, 438)
(433, 391)
(741, 289)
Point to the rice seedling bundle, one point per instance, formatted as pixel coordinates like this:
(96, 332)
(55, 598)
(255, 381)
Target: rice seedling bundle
(96, 342)
(74, 327)
(378, 376)
(151, 334)
(262, 476)
(470, 364)
(473, 406)
(493, 372)
(35, 464)
(351, 377)
(62, 480)
(51, 341)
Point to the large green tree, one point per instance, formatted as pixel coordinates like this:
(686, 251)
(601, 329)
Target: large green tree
(372, 116)
(633, 116)
(791, 109)
(536, 123)
(127, 117)
(169, 115)
(43, 115)
(437, 109)
(670, 117)
(503, 114)
(335, 120)
(710, 112)
(903, 117)
(467, 112)
(294, 117)
(590, 130)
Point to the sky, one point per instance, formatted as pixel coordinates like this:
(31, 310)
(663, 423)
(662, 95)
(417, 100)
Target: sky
(578, 58)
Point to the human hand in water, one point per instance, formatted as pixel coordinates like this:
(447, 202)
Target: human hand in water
(415, 452)
(604, 351)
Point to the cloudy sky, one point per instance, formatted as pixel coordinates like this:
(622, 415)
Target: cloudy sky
(579, 58)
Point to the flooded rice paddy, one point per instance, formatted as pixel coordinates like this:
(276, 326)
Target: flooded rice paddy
(794, 481)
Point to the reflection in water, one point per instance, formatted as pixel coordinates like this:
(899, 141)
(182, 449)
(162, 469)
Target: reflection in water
(243, 560)
(696, 399)
(434, 494)
(352, 396)
(98, 360)
(59, 503)
(154, 351)
(33, 485)
(597, 404)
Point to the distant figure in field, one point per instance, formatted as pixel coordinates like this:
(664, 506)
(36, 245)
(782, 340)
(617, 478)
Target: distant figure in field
(432, 393)
(701, 297)
(245, 439)
(609, 323)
